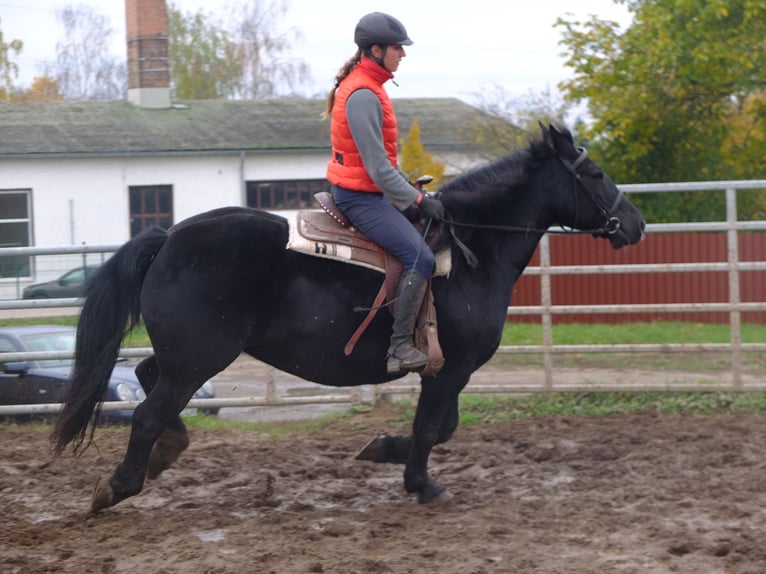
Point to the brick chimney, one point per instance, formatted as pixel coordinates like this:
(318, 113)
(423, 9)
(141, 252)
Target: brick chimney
(148, 67)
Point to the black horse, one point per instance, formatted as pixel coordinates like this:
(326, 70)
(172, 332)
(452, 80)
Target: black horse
(222, 282)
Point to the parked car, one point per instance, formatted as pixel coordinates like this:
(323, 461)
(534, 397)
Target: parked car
(70, 284)
(33, 382)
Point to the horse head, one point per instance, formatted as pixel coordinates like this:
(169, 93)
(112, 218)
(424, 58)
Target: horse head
(612, 215)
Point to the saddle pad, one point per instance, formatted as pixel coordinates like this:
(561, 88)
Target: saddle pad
(316, 233)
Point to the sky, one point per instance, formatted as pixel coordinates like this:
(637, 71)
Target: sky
(461, 48)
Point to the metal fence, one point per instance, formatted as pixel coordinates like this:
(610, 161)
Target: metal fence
(734, 349)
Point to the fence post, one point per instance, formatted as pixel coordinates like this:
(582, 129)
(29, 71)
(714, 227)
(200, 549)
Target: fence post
(271, 386)
(735, 322)
(545, 301)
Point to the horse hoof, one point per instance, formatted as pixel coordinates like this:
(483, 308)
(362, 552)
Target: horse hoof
(373, 451)
(103, 495)
(434, 494)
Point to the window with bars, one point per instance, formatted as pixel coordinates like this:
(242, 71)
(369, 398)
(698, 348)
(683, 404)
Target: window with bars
(150, 206)
(286, 194)
(15, 231)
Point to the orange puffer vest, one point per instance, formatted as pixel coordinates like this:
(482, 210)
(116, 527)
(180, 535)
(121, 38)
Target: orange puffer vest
(345, 168)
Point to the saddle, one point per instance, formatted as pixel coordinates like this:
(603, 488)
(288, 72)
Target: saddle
(330, 234)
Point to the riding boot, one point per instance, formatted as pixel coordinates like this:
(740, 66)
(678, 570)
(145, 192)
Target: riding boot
(402, 354)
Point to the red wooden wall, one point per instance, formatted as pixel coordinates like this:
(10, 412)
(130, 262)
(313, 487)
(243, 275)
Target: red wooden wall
(642, 288)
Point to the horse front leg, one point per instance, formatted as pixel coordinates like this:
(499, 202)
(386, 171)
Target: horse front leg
(434, 404)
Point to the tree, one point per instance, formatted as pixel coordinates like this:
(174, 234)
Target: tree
(43, 89)
(84, 68)
(416, 161)
(9, 70)
(664, 94)
(265, 71)
(244, 60)
(203, 63)
(525, 111)
(509, 120)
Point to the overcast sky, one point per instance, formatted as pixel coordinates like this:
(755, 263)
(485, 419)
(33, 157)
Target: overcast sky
(461, 47)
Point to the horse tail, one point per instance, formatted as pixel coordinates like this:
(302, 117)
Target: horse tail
(110, 311)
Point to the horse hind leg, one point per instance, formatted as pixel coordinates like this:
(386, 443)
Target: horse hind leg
(168, 447)
(150, 420)
(386, 448)
(174, 438)
(396, 449)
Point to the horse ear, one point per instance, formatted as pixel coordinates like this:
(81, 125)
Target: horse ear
(547, 138)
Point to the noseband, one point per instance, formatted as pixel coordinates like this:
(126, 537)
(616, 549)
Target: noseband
(611, 223)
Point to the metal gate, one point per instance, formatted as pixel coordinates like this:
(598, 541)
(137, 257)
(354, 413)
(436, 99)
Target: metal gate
(549, 349)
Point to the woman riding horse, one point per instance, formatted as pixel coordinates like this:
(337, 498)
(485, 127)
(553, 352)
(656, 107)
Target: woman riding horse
(366, 182)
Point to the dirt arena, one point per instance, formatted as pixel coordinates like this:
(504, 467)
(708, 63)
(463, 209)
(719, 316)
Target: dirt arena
(632, 494)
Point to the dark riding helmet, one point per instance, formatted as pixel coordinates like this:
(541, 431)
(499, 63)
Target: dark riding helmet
(381, 29)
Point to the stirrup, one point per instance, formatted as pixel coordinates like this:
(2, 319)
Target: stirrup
(413, 360)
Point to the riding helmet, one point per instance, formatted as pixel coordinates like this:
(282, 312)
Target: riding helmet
(381, 29)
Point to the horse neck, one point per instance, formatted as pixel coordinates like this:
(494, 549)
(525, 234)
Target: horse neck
(504, 255)
(511, 253)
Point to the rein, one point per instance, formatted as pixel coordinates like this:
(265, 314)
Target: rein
(516, 229)
(611, 223)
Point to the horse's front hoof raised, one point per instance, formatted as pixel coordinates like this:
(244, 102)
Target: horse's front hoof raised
(103, 495)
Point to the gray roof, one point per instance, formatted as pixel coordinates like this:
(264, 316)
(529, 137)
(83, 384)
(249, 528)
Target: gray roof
(74, 128)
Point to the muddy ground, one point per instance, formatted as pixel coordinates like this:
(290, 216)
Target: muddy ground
(631, 494)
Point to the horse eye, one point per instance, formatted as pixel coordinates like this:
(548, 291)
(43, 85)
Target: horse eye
(597, 175)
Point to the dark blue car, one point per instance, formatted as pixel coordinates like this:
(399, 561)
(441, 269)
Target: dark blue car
(33, 382)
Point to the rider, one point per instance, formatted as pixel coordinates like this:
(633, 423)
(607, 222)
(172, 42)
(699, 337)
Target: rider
(368, 185)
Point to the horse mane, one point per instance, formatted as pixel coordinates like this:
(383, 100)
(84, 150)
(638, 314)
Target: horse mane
(496, 183)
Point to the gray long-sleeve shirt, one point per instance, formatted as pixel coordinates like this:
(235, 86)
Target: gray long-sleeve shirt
(365, 119)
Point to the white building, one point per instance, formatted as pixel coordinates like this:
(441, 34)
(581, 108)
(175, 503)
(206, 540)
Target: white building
(98, 173)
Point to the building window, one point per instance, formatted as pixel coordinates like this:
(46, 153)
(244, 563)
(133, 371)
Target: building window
(294, 194)
(150, 206)
(15, 231)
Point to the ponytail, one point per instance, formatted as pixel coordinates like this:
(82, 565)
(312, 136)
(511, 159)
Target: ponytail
(342, 74)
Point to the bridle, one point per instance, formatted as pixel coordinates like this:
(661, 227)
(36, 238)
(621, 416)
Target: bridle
(611, 223)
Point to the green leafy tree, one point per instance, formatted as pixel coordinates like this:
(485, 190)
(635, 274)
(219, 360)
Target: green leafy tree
(664, 94)
(9, 70)
(244, 60)
(416, 161)
(203, 63)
